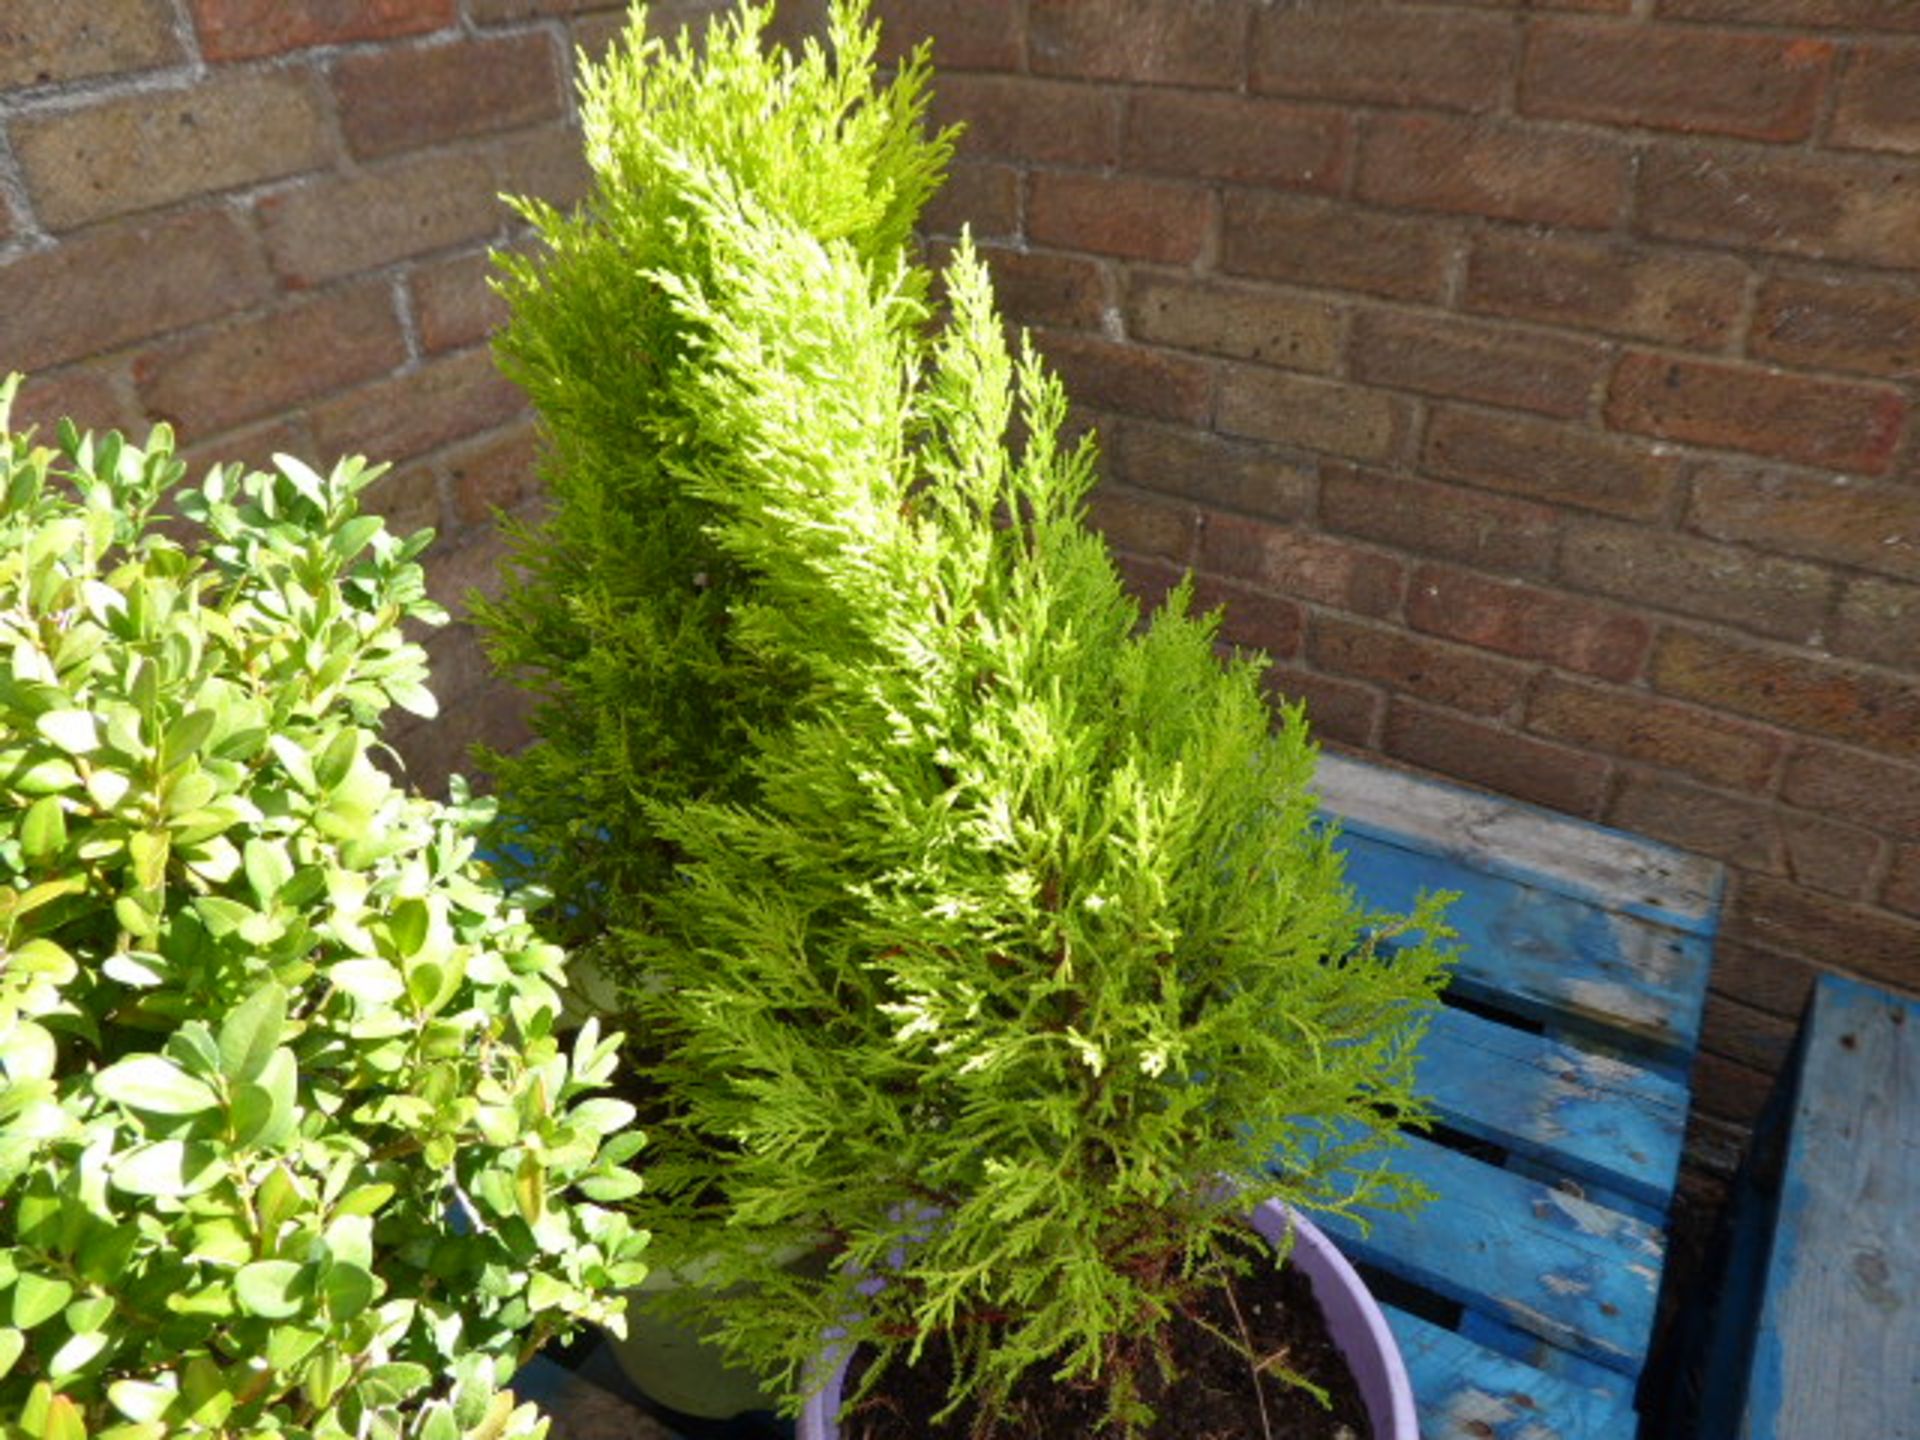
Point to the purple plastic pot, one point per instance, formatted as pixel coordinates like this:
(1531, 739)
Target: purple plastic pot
(1353, 1319)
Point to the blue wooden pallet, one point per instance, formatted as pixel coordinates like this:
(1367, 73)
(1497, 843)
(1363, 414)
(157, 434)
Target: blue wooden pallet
(1525, 1294)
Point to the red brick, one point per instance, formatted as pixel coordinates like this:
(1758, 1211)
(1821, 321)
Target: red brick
(497, 12)
(1686, 297)
(1838, 425)
(1828, 14)
(1447, 522)
(1468, 360)
(1876, 109)
(1878, 710)
(497, 472)
(408, 498)
(1154, 527)
(1606, 7)
(1236, 138)
(271, 362)
(1824, 207)
(1802, 922)
(1144, 41)
(1210, 469)
(984, 199)
(1037, 288)
(453, 305)
(118, 283)
(1786, 599)
(1449, 675)
(1247, 322)
(244, 29)
(1547, 461)
(1834, 859)
(1737, 831)
(253, 447)
(443, 401)
(410, 206)
(1869, 790)
(1495, 758)
(1118, 215)
(966, 34)
(1745, 1034)
(1125, 378)
(1373, 55)
(1634, 725)
(1312, 414)
(407, 99)
(54, 40)
(1526, 621)
(1148, 581)
(1251, 619)
(1503, 170)
(1726, 1090)
(1839, 325)
(1300, 564)
(1760, 87)
(149, 149)
(1767, 980)
(1874, 527)
(1009, 117)
(1341, 247)
(1336, 709)
(1879, 620)
(1902, 889)
(93, 397)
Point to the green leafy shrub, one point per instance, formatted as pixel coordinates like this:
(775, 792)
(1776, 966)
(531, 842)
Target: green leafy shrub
(287, 1141)
(1010, 933)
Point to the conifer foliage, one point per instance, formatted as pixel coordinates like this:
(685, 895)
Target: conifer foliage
(998, 930)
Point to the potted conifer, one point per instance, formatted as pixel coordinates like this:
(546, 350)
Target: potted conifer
(1002, 960)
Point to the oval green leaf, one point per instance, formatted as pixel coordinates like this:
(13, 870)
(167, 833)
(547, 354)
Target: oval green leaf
(154, 1085)
(272, 1289)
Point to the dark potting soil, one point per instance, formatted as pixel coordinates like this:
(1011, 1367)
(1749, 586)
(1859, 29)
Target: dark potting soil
(1212, 1396)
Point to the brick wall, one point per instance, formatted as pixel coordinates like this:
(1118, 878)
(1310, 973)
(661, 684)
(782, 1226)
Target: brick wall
(1534, 380)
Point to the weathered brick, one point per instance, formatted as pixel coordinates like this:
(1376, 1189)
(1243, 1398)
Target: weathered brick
(1606, 7)
(1312, 414)
(1869, 790)
(1035, 287)
(406, 99)
(405, 207)
(1251, 619)
(1637, 726)
(1824, 207)
(1825, 14)
(1373, 55)
(1876, 109)
(1124, 215)
(1011, 117)
(1767, 980)
(1879, 620)
(1301, 564)
(1902, 889)
(94, 397)
(1148, 581)
(1450, 675)
(1526, 621)
(444, 400)
(453, 306)
(1786, 599)
(1247, 322)
(1839, 325)
(1837, 425)
(1341, 247)
(1208, 468)
(1746, 1034)
(1469, 360)
(1874, 527)
(1686, 297)
(1494, 757)
(1843, 702)
(496, 472)
(145, 150)
(271, 362)
(408, 497)
(1740, 832)
(1668, 78)
(1835, 859)
(1803, 922)
(1727, 1091)
(498, 12)
(43, 42)
(1336, 709)
(983, 199)
(244, 29)
(1447, 522)
(966, 34)
(1508, 171)
(1547, 461)
(1127, 379)
(254, 446)
(546, 163)
(1237, 138)
(138, 278)
(1141, 523)
(1145, 41)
